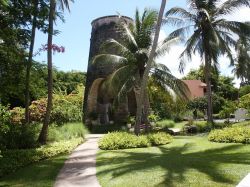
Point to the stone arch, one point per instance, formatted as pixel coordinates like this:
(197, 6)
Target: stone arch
(93, 95)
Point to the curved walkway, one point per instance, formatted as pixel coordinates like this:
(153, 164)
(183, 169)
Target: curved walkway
(80, 168)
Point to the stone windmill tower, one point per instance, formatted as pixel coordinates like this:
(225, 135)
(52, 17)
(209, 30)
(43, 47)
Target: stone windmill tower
(103, 28)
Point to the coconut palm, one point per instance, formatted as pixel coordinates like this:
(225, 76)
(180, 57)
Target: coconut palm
(62, 4)
(131, 56)
(212, 34)
(242, 68)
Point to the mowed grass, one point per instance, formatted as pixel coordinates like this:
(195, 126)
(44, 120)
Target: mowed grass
(187, 162)
(41, 174)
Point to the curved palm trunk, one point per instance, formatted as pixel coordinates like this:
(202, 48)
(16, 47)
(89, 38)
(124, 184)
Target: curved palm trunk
(147, 69)
(29, 64)
(43, 134)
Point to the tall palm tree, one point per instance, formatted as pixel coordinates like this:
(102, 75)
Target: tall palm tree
(212, 34)
(61, 3)
(149, 64)
(242, 68)
(131, 58)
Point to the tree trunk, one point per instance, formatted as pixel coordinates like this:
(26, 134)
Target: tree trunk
(29, 64)
(147, 69)
(43, 134)
(209, 90)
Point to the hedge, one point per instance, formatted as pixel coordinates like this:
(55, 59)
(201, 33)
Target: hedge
(12, 160)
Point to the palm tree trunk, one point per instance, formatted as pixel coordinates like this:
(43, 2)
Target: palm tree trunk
(209, 90)
(29, 64)
(43, 134)
(147, 69)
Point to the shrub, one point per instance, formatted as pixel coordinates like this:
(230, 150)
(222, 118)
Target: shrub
(17, 116)
(124, 140)
(19, 137)
(231, 135)
(66, 132)
(14, 159)
(159, 138)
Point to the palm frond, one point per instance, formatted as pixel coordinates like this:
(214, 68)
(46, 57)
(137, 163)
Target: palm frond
(116, 47)
(230, 6)
(167, 81)
(181, 13)
(165, 46)
(109, 59)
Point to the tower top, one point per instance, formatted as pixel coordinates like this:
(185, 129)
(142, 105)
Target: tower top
(109, 19)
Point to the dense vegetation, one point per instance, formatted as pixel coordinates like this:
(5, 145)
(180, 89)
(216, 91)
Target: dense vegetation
(124, 140)
(231, 135)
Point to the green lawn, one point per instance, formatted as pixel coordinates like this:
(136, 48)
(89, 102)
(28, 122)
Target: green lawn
(41, 174)
(187, 162)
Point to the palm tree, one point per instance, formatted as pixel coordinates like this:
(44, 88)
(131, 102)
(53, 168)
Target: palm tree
(62, 3)
(242, 68)
(131, 57)
(212, 34)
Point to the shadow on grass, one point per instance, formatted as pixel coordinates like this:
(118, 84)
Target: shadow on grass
(38, 174)
(176, 161)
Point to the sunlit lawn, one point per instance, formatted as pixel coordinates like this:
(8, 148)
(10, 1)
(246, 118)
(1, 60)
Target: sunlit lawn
(41, 174)
(187, 162)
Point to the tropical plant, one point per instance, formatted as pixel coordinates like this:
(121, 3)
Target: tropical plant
(242, 68)
(62, 3)
(131, 58)
(212, 34)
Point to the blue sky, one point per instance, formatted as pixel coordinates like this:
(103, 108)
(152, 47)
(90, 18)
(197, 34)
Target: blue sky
(76, 31)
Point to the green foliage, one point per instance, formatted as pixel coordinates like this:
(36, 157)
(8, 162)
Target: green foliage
(18, 137)
(228, 108)
(153, 117)
(66, 108)
(15, 159)
(159, 138)
(245, 102)
(14, 136)
(66, 132)
(165, 123)
(244, 90)
(124, 140)
(231, 135)
(197, 127)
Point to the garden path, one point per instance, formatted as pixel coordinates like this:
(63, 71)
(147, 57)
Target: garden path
(80, 168)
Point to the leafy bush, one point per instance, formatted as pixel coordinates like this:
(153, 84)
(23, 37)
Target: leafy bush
(19, 137)
(231, 135)
(66, 108)
(66, 132)
(14, 159)
(159, 138)
(245, 102)
(124, 140)
(15, 136)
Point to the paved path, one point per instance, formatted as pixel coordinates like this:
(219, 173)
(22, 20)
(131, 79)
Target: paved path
(80, 168)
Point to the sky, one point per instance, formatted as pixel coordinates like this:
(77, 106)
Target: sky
(75, 33)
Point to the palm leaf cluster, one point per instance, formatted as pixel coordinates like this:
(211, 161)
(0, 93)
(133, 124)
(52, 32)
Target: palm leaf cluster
(212, 34)
(242, 68)
(131, 55)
